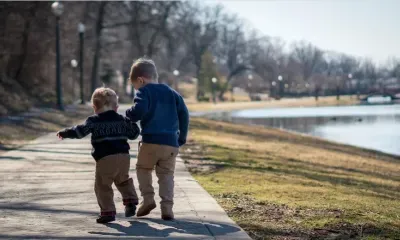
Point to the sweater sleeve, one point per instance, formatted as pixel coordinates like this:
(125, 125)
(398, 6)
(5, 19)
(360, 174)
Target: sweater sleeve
(78, 131)
(183, 117)
(141, 106)
(132, 129)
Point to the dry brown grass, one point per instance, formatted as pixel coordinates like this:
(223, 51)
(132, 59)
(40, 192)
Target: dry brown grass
(14, 133)
(286, 102)
(279, 185)
(188, 91)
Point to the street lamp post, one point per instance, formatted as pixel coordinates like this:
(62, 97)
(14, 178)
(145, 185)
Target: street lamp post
(350, 77)
(176, 74)
(250, 77)
(74, 64)
(57, 9)
(214, 82)
(81, 30)
(273, 91)
(154, 11)
(280, 79)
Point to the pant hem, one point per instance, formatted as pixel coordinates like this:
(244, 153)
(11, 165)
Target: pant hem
(128, 201)
(108, 213)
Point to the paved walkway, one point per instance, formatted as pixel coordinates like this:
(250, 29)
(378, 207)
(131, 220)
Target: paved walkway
(46, 191)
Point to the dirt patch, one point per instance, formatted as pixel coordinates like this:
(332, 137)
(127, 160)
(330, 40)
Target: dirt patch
(266, 220)
(195, 160)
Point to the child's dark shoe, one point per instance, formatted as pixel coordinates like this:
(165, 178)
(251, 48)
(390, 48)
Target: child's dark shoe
(105, 219)
(166, 213)
(130, 210)
(167, 217)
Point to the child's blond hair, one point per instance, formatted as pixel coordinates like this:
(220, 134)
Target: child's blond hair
(104, 97)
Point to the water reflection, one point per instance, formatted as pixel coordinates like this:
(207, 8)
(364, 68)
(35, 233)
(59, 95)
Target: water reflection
(374, 127)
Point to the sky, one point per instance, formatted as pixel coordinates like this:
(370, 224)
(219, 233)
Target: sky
(363, 28)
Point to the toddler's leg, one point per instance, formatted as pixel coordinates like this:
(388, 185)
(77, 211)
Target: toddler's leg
(146, 160)
(105, 172)
(125, 185)
(165, 172)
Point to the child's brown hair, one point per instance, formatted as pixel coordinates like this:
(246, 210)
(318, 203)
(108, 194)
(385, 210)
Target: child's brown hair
(143, 67)
(104, 97)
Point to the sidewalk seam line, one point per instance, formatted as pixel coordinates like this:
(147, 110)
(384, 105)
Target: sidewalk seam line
(192, 206)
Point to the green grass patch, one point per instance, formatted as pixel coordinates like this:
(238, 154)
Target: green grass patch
(278, 185)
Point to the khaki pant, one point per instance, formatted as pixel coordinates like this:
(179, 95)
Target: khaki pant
(163, 158)
(113, 169)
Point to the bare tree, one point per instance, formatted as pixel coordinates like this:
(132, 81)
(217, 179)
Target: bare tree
(202, 33)
(230, 49)
(348, 65)
(176, 35)
(330, 67)
(393, 65)
(309, 57)
(97, 48)
(266, 58)
(147, 25)
(370, 73)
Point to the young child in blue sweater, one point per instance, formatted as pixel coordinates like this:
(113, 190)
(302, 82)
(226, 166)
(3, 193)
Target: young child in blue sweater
(164, 120)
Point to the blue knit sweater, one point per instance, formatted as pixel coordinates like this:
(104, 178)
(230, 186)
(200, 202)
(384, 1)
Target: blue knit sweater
(162, 113)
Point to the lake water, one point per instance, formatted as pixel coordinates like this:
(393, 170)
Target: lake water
(374, 127)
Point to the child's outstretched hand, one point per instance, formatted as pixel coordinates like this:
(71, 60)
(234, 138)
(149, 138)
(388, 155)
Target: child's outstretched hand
(59, 136)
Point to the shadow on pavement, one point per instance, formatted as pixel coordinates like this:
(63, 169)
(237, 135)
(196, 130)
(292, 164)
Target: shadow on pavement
(166, 228)
(49, 151)
(32, 207)
(5, 236)
(11, 158)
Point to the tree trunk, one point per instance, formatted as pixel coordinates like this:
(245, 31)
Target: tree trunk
(97, 50)
(316, 93)
(199, 92)
(236, 71)
(25, 41)
(224, 89)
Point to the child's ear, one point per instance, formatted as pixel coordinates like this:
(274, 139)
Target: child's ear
(116, 108)
(141, 80)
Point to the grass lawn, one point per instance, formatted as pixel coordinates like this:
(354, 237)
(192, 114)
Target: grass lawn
(286, 102)
(279, 185)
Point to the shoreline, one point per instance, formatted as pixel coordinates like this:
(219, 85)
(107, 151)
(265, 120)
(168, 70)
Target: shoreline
(292, 132)
(376, 151)
(222, 115)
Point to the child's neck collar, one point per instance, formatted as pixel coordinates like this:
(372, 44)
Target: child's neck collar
(104, 109)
